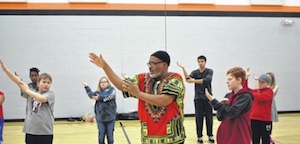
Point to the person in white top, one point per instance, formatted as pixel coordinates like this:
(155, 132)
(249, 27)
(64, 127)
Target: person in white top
(274, 113)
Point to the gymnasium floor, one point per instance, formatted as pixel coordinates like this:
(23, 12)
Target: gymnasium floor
(287, 131)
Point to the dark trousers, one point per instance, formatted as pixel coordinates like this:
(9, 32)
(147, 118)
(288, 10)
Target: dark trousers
(203, 108)
(38, 139)
(271, 128)
(261, 130)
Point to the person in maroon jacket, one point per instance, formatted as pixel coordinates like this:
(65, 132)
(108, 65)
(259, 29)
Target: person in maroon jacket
(261, 109)
(234, 110)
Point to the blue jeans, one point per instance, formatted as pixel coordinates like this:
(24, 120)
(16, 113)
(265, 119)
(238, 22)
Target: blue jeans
(1, 129)
(106, 128)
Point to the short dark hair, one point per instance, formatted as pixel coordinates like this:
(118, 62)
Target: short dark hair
(34, 69)
(202, 57)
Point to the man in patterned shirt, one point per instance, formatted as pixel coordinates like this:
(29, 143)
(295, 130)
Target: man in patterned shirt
(160, 94)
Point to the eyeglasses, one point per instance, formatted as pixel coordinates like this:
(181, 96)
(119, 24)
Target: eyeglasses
(103, 81)
(153, 63)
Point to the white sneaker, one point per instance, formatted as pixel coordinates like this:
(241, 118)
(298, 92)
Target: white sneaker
(200, 140)
(211, 139)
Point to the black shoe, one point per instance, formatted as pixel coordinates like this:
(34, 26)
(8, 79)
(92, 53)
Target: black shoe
(211, 139)
(200, 140)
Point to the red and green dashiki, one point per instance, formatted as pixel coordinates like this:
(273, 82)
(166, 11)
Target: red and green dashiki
(161, 125)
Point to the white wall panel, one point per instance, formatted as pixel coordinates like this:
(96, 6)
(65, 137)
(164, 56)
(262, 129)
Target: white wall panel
(59, 45)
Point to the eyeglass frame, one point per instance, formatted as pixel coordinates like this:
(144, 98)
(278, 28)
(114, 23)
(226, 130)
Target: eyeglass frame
(151, 63)
(103, 81)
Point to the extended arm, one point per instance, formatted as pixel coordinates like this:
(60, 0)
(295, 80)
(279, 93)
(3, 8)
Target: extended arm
(89, 91)
(11, 75)
(186, 75)
(243, 104)
(25, 88)
(100, 62)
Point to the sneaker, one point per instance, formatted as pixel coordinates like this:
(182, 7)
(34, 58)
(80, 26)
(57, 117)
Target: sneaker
(200, 140)
(211, 139)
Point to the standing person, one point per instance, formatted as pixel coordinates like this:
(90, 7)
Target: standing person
(38, 124)
(160, 94)
(202, 78)
(1, 116)
(105, 109)
(33, 75)
(261, 109)
(234, 110)
(274, 115)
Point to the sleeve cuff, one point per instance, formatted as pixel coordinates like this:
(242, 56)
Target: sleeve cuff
(214, 102)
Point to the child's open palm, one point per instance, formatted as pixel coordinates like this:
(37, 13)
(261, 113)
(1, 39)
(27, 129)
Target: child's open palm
(2, 65)
(84, 83)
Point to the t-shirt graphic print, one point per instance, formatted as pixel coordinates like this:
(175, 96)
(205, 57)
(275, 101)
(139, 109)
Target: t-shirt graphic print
(36, 105)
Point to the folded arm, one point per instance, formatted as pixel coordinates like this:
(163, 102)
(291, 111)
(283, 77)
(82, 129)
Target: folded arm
(111, 95)
(264, 95)
(37, 96)
(173, 89)
(207, 79)
(243, 104)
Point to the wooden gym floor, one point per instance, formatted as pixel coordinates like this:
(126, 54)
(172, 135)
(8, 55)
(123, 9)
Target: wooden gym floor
(286, 131)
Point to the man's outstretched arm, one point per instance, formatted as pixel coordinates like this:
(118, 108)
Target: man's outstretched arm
(113, 77)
